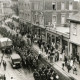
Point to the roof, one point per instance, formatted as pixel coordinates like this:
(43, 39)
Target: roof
(75, 18)
(8, 20)
(15, 56)
(4, 39)
(61, 31)
(15, 16)
(64, 30)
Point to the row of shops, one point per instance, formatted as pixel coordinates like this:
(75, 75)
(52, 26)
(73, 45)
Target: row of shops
(60, 36)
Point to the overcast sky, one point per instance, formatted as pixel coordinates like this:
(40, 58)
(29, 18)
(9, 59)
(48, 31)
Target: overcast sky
(76, 0)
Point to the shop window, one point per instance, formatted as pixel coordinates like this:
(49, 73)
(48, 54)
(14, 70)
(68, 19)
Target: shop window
(54, 6)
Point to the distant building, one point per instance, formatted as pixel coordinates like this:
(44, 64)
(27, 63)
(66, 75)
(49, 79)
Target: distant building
(5, 8)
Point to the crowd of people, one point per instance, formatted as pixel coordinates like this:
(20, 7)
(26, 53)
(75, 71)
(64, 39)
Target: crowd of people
(54, 54)
(45, 73)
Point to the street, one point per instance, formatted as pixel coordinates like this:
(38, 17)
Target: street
(15, 74)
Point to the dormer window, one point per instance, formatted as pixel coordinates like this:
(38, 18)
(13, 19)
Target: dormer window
(54, 6)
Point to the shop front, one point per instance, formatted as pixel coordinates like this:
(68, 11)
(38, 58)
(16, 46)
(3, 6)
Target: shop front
(65, 46)
(75, 51)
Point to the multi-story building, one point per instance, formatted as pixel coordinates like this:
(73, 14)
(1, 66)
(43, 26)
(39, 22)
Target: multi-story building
(24, 14)
(49, 15)
(5, 8)
(48, 12)
(53, 11)
(75, 36)
(7, 11)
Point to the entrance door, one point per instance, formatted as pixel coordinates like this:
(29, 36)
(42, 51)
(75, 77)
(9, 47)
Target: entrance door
(74, 50)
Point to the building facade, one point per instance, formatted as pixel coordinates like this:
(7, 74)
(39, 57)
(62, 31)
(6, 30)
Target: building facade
(75, 36)
(5, 8)
(45, 17)
(48, 12)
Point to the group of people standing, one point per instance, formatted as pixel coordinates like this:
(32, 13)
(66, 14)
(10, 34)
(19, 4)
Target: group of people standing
(70, 65)
(51, 50)
(45, 73)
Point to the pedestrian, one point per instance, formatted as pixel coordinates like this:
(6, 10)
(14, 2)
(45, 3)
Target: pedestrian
(71, 63)
(46, 71)
(1, 58)
(51, 77)
(63, 63)
(79, 63)
(60, 57)
(4, 65)
(35, 73)
(51, 70)
(43, 67)
(46, 50)
(40, 71)
(39, 56)
(74, 69)
(4, 77)
(48, 76)
(68, 67)
(54, 75)
(42, 47)
(43, 76)
(51, 59)
(65, 59)
(57, 77)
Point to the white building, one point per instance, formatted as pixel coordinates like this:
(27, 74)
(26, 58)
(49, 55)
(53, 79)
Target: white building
(75, 36)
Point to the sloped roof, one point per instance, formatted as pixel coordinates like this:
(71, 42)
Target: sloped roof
(75, 18)
(15, 56)
(4, 39)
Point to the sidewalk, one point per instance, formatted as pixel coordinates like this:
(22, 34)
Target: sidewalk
(58, 65)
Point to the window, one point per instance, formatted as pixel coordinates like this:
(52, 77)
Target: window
(54, 6)
(53, 19)
(62, 6)
(75, 29)
(70, 6)
(36, 6)
(62, 19)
